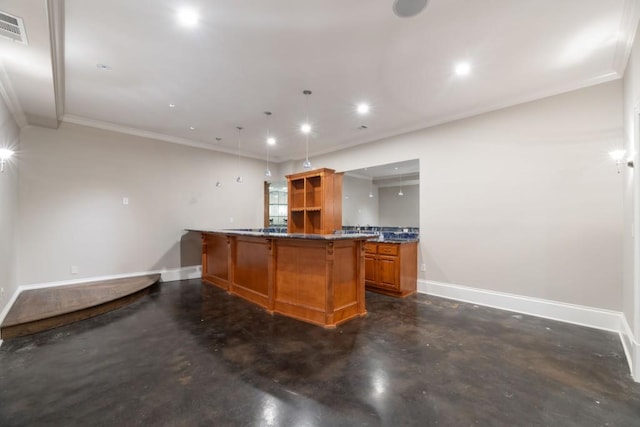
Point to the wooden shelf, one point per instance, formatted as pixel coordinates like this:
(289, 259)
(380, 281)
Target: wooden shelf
(296, 194)
(315, 202)
(296, 221)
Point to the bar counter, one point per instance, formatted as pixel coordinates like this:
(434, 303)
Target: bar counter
(311, 277)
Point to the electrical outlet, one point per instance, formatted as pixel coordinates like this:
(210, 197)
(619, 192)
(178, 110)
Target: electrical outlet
(74, 269)
(423, 267)
(125, 200)
(230, 219)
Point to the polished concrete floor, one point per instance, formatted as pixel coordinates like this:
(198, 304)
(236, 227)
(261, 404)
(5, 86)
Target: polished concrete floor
(189, 354)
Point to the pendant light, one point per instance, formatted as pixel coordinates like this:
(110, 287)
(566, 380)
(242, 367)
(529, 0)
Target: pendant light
(239, 177)
(400, 193)
(371, 188)
(270, 141)
(306, 129)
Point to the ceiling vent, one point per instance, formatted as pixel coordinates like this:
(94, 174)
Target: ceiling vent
(12, 27)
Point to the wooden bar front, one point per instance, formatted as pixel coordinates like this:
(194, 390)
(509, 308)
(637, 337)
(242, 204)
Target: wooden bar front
(318, 280)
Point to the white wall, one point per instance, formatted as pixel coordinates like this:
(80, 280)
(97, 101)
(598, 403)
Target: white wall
(9, 138)
(73, 180)
(400, 211)
(522, 200)
(631, 177)
(357, 207)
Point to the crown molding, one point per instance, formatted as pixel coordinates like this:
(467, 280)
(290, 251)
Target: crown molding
(466, 114)
(55, 15)
(628, 27)
(557, 90)
(98, 124)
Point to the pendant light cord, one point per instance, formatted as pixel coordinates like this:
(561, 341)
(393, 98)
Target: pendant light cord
(268, 114)
(239, 177)
(307, 130)
(306, 97)
(239, 129)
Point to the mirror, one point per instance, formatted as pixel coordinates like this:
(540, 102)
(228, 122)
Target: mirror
(384, 196)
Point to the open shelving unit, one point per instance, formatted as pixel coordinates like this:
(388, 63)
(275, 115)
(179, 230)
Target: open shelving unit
(315, 202)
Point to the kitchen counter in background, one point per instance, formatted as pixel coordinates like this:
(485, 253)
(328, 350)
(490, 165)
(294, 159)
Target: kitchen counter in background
(391, 267)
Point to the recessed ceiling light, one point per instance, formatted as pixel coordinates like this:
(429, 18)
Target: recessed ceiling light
(104, 67)
(305, 128)
(463, 68)
(192, 128)
(408, 8)
(362, 108)
(271, 141)
(172, 105)
(188, 17)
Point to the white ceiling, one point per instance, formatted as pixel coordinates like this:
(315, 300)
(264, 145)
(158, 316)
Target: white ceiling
(249, 56)
(408, 168)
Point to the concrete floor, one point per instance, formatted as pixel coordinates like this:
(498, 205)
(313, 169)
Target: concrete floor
(189, 354)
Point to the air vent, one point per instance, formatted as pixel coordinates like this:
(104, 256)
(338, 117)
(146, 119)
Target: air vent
(12, 27)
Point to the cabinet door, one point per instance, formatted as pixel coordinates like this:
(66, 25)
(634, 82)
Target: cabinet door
(388, 272)
(370, 270)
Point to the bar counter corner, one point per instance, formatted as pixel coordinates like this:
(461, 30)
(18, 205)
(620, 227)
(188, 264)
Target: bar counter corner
(317, 278)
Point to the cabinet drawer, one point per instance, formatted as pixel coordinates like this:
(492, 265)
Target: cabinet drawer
(371, 248)
(388, 249)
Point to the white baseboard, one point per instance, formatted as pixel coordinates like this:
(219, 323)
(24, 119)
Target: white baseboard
(577, 314)
(166, 275)
(182, 273)
(607, 320)
(7, 307)
(631, 349)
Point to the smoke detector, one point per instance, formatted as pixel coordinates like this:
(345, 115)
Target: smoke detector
(12, 27)
(408, 8)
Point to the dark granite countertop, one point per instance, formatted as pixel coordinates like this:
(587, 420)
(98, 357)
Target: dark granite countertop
(398, 240)
(350, 236)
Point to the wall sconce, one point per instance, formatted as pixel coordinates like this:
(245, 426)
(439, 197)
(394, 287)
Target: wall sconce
(5, 154)
(618, 157)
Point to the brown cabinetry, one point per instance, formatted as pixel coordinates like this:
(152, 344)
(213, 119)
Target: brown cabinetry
(391, 268)
(317, 279)
(315, 202)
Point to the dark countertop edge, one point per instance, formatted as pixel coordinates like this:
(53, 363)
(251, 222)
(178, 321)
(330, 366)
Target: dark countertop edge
(289, 235)
(398, 241)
